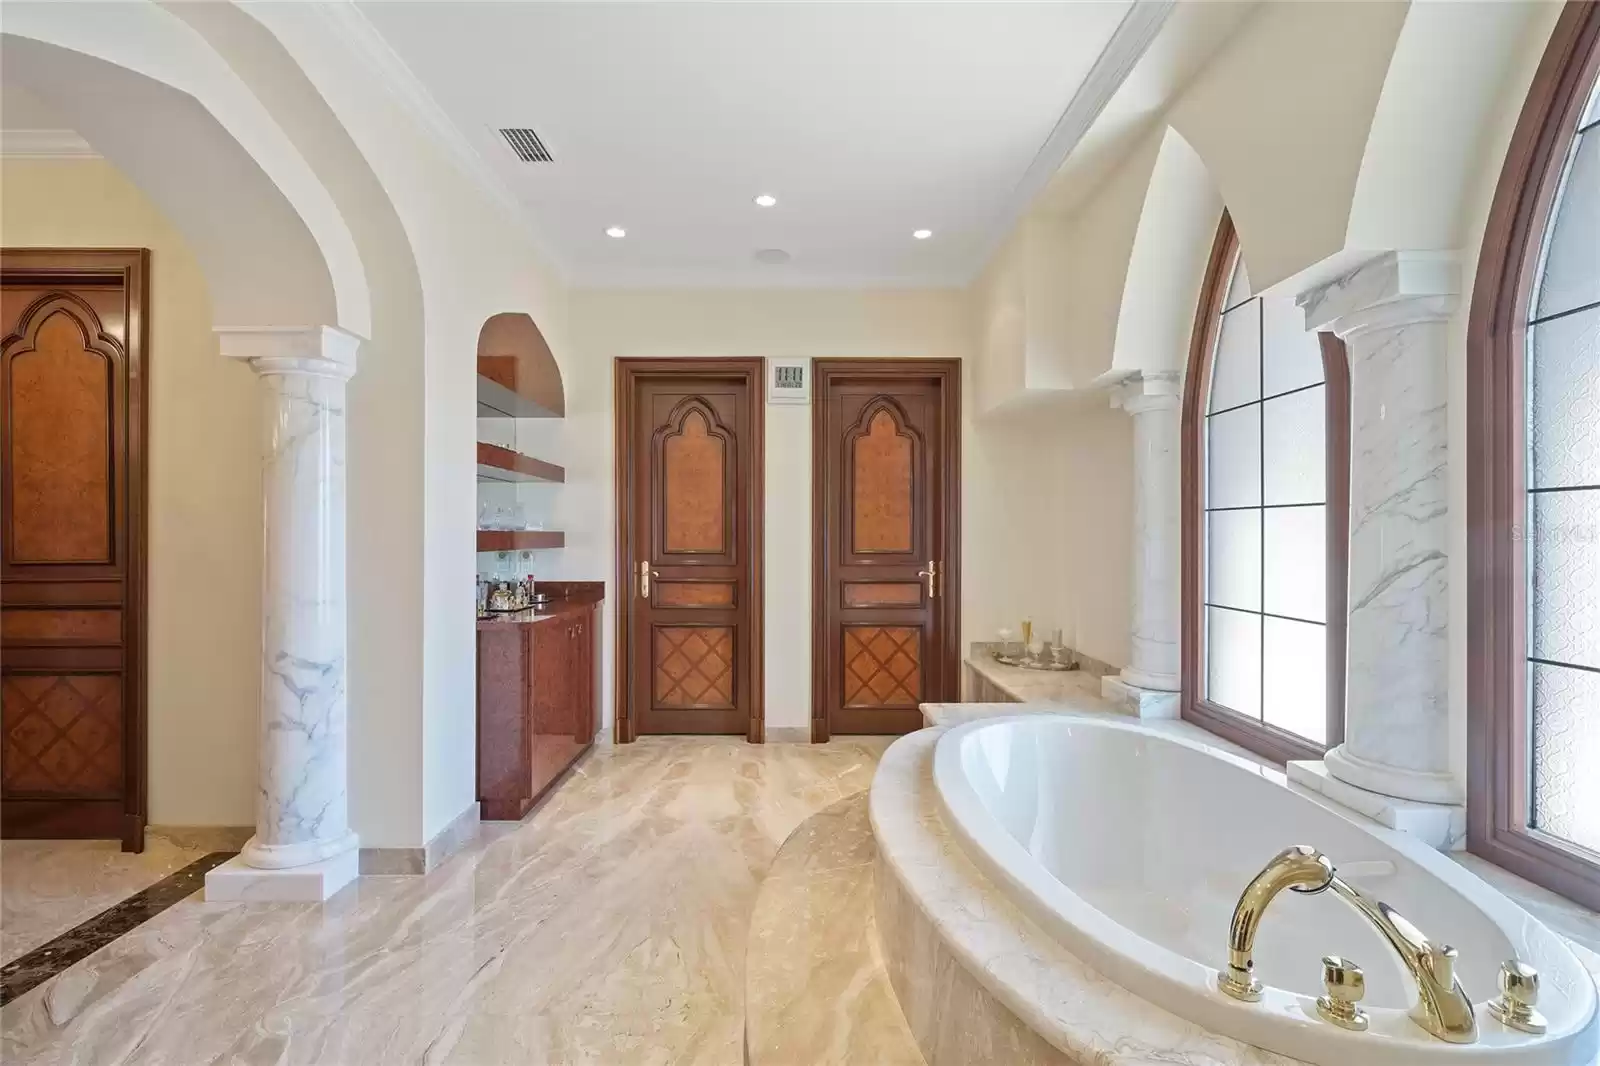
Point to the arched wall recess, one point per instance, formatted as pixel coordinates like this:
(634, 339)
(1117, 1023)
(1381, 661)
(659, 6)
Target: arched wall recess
(1168, 261)
(517, 374)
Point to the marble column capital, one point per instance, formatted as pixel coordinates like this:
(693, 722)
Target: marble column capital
(1395, 289)
(314, 351)
(1158, 390)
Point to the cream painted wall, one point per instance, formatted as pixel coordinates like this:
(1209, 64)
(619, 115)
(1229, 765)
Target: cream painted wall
(474, 259)
(205, 493)
(607, 324)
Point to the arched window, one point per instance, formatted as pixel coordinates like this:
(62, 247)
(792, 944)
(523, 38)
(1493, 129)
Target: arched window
(1266, 417)
(1533, 473)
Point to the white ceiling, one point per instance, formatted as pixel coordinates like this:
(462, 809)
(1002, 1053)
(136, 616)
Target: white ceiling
(866, 120)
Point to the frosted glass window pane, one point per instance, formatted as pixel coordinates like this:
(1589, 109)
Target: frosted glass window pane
(1233, 660)
(1295, 683)
(1564, 564)
(1295, 447)
(1296, 562)
(1564, 406)
(1566, 752)
(1291, 356)
(1233, 569)
(1236, 374)
(1571, 274)
(1238, 285)
(1233, 458)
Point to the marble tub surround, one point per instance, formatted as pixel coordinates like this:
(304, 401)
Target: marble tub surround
(817, 992)
(1153, 398)
(49, 886)
(1147, 900)
(609, 928)
(1393, 314)
(1072, 688)
(1439, 825)
(954, 943)
(302, 801)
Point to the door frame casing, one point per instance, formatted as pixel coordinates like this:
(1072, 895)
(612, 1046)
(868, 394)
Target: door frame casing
(948, 371)
(752, 447)
(130, 266)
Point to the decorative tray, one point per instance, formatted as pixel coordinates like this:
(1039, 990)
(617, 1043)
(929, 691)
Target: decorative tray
(1033, 664)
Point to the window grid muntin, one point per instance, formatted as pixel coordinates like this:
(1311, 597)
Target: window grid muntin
(1260, 507)
(1531, 489)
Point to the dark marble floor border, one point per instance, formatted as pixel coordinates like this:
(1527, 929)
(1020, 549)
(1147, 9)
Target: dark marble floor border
(78, 943)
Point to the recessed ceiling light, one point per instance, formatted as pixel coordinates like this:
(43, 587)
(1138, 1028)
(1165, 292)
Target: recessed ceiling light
(922, 234)
(766, 200)
(616, 231)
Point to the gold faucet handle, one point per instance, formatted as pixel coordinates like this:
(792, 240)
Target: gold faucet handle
(1346, 986)
(1515, 1006)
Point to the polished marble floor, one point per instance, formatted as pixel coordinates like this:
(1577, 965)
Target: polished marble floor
(609, 928)
(49, 886)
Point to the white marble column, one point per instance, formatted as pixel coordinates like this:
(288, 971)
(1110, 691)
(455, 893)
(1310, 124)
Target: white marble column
(1149, 685)
(303, 848)
(1393, 314)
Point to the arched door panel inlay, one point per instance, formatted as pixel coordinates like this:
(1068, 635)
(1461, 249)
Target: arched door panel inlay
(883, 482)
(62, 467)
(72, 494)
(693, 484)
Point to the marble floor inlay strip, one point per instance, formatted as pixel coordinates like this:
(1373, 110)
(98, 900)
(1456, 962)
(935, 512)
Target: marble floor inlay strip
(81, 941)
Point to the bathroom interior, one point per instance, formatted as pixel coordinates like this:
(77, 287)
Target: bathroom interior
(998, 533)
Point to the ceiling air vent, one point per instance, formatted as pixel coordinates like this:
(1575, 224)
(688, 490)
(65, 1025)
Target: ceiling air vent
(527, 145)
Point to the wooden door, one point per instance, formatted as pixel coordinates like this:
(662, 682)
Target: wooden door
(72, 494)
(887, 525)
(689, 543)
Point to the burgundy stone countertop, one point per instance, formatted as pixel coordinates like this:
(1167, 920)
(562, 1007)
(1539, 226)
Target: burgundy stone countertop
(569, 599)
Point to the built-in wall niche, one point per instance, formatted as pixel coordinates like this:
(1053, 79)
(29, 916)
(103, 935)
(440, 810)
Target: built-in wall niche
(519, 396)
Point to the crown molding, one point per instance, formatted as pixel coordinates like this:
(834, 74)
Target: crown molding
(45, 144)
(352, 27)
(1128, 44)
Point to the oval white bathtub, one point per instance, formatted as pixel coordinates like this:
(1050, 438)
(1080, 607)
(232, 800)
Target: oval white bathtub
(1130, 847)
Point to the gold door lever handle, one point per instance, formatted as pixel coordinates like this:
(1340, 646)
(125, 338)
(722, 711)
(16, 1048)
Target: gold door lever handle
(645, 574)
(932, 574)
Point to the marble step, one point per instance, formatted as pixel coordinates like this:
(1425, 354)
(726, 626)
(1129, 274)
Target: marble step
(816, 990)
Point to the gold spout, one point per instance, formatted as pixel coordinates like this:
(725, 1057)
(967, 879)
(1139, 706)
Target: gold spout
(1442, 1006)
(1300, 868)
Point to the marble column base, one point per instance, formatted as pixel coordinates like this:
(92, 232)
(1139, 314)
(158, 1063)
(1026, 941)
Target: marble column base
(1419, 785)
(236, 881)
(1139, 702)
(1439, 825)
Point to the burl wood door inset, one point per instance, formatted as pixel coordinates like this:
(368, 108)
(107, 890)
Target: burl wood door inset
(887, 515)
(72, 489)
(689, 534)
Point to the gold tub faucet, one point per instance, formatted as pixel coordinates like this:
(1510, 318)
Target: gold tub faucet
(1442, 1006)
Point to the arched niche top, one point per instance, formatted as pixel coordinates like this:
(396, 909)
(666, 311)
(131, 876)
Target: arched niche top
(517, 375)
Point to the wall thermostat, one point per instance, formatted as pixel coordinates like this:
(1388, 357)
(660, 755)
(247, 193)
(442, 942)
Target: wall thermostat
(788, 381)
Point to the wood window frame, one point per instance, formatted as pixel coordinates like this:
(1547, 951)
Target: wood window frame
(1498, 772)
(753, 374)
(1264, 739)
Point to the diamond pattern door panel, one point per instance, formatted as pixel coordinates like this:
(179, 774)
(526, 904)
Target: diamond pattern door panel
(882, 666)
(63, 735)
(693, 666)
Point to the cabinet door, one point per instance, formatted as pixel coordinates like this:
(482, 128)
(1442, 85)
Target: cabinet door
(548, 699)
(503, 741)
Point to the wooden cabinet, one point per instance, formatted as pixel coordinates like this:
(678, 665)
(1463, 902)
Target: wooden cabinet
(537, 703)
